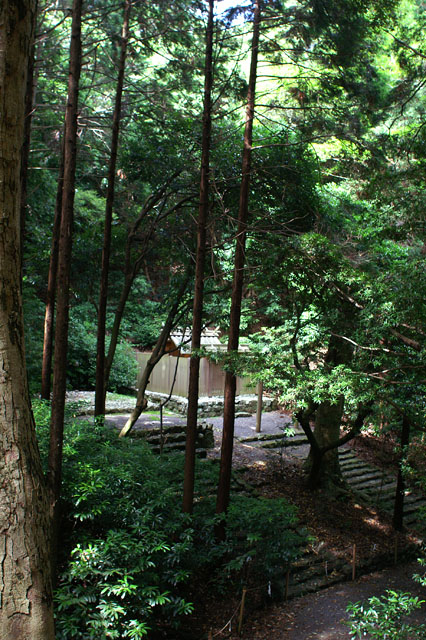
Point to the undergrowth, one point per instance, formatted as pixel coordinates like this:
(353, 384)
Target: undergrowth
(128, 553)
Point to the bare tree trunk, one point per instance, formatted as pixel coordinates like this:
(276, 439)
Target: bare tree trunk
(29, 93)
(237, 285)
(323, 466)
(46, 367)
(118, 316)
(103, 293)
(197, 318)
(318, 452)
(63, 274)
(157, 353)
(25, 587)
(398, 512)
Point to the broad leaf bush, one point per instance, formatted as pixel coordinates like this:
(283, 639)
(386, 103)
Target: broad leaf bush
(128, 555)
(383, 618)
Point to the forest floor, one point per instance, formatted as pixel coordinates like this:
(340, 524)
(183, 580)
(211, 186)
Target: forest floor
(336, 524)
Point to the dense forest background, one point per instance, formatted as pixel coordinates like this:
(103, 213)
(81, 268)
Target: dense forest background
(333, 277)
(335, 240)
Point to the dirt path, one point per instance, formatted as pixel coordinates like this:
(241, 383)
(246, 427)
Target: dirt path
(321, 615)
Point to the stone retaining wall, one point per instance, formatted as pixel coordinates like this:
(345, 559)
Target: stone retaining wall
(209, 406)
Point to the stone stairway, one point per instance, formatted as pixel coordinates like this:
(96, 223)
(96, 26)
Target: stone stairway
(377, 488)
(370, 484)
(172, 438)
(288, 437)
(317, 568)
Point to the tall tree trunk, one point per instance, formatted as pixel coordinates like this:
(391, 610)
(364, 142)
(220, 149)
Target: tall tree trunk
(237, 285)
(63, 274)
(26, 595)
(155, 357)
(319, 452)
(324, 468)
(29, 95)
(115, 331)
(103, 293)
(398, 511)
(49, 314)
(197, 318)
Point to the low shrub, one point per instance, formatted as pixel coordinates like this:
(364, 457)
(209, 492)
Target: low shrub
(383, 618)
(129, 554)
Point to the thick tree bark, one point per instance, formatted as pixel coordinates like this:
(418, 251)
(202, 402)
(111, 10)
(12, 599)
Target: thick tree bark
(323, 466)
(237, 285)
(197, 318)
(398, 511)
(63, 272)
(103, 293)
(25, 587)
(157, 353)
(318, 453)
(49, 314)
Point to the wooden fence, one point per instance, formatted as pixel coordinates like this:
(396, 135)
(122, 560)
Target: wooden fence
(212, 377)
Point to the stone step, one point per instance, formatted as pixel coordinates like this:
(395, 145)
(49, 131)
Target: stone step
(315, 584)
(177, 448)
(306, 580)
(413, 520)
(285, 442)
(353, 462)
(259, 437)
(155, 438)
(360, 484)
(319, 568)
(375, 489)
(411, 507)
(350, 465)
(362, 475)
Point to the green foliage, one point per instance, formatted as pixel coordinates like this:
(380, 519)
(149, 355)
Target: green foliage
(265, 538)
(122, 556)
(114, 580)
(82, 355)
(128, 554)
(34, 311)
(81, 364)
(383, 617)
(262, 539)
(143, 318)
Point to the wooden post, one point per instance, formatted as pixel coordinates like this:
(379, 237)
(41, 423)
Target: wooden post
(287, 580)
(353, 562)
(395, 556)
(259, 406)
(240, 619)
